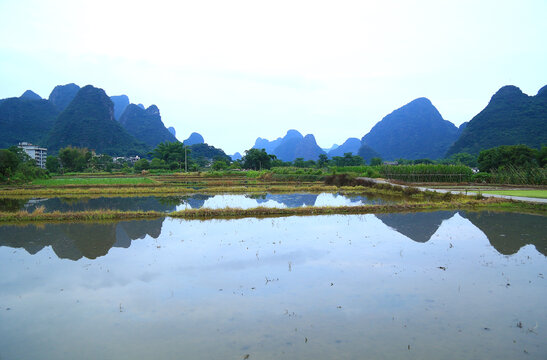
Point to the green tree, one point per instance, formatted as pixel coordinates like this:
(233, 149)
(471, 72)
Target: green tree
(375, 161)
(464, 159)
(322, 161)
(22, 156)
(141, 164)
(74, 159)
(158, 164)
(299, 162)
(171, 152)
(518, 156)
(17, 166)
(220, 164)
(101, 162)
(8, 163)
(257, 159)
(52, 164)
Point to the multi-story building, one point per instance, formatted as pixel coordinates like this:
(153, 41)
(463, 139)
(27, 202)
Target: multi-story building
(37, 153)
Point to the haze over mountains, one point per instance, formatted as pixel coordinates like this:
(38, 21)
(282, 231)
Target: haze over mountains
(292, 146)
(88, 117)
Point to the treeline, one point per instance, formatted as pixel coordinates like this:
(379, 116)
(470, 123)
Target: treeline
(517, 164)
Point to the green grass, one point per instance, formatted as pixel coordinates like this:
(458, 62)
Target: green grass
(541, 194)
(93, 181)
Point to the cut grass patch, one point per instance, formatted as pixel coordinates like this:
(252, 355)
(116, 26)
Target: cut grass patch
(93, 181)
(541, 194)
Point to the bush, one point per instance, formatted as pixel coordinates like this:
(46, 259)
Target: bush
(141, 164)
(481, 177)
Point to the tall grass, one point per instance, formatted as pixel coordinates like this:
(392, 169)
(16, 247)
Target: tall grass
(427, 173)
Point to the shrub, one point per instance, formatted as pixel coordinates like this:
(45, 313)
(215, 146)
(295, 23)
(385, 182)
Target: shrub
(481, 177)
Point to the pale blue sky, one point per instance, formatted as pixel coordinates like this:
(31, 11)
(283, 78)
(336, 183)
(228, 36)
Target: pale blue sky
(236, 70)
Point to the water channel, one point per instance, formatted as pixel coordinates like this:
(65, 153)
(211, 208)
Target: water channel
(436, 285)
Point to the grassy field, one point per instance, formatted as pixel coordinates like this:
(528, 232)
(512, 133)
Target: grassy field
(93, 181)
(541, 194)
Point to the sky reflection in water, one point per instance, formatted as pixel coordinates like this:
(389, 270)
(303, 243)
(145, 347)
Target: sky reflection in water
(194, 201)
(456, 285)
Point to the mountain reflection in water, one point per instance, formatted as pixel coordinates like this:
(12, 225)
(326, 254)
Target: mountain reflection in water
(76, 240)
(507, 232)
(168, 204)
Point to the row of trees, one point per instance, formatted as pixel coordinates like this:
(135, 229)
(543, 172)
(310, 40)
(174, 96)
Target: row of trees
(258, 159)
(167, 156)
(73, 159)
(176, 156)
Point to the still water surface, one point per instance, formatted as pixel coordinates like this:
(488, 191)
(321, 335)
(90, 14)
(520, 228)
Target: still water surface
(439, 285)
(195, 201)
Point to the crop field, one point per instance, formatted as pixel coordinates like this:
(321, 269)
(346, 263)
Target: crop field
(93, 181)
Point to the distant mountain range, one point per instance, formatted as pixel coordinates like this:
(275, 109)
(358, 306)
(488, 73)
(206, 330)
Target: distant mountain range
(87, 117)
(292, 146)
(351, 145)
(236, 156)
(83, 117)
(418, 131)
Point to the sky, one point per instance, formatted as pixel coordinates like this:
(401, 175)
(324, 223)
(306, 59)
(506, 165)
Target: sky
(237, 70)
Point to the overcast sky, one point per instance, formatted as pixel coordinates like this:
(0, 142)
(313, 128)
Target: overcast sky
(237, 70)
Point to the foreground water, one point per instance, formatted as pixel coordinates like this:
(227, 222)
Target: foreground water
(195, 201)
(440, 285)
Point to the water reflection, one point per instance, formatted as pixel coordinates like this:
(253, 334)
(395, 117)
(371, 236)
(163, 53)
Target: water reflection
(194, 201)
(507, 232)
(416, 226)
(74, 241)
(320, 287)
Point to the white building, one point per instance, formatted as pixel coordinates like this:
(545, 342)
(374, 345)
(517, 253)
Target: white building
(37, 153)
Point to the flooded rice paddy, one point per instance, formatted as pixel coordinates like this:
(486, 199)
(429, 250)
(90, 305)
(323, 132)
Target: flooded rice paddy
(437, 285)
(195, 201)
